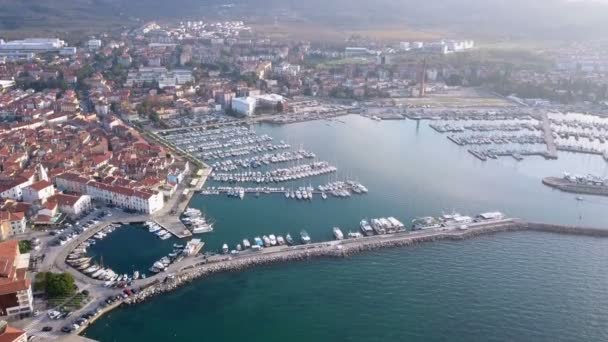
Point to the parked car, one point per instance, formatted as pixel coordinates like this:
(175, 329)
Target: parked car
(47, 329)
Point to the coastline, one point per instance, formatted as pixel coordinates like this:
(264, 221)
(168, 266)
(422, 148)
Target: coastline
(563, 185)
(343, 249)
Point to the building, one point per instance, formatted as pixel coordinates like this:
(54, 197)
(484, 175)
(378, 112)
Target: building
(10, 334)
(145, 201)
(38, 192)
(244, 105)
(12, 188)
(11, 224)
(94, 44)
(6, 84)
(15, 288)
(33, 45)
(72, 205)
(161, 75)
(71, 182)
(356, 51)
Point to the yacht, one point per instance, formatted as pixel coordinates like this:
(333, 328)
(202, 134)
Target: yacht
(266, 241)
(225, 249)
(289, 239)
(354, 235)
(286, 194)
(304, 237)
(241, 193)
(273, 239)
(323, 195)
(338, 233)
(280, 240)
(258, 242)
(427, 222)
(239, 247)
(246, 244)
(136, 275)
(366, 228)
(298, 195)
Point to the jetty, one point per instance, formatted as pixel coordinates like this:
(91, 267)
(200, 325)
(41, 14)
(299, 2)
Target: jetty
(200, 268)
(548, 135)
(574, 187)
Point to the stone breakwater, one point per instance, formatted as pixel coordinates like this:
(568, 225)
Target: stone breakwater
(349, 247)
(327, 249)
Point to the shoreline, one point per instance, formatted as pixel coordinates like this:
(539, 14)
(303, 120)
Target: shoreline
(344, 249)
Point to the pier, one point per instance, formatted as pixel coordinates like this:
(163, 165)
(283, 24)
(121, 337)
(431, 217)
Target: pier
(548, 135)
(196, 268)
(577, 188)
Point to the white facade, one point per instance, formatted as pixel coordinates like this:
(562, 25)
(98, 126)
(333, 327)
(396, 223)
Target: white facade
(94, 44)
(146, 202)
(15, 192)
(244, 105)
(33, 45)
(33, 193)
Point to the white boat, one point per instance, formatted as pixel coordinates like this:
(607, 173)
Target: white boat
(298, 195)
(266, 241)
(136, 275)
(323, 195)
(366, 228)
(246, 244)
(225, 249)
(354, 235)
(280, 240)
(338, 233)
(273, 239)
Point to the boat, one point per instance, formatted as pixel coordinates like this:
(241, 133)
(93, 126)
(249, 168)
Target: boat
(239, 247)
(286, 194)
(338, 233)
(280, 240)
(366, 229)
(273, 239)
(427, 222)
(298, 195)
(225, 249)
(580, 198)
(304, 237)
(241, 193)
(175, 245)
(136, 275)
(323, 195)
(266, 241)
(354, 235)
(289, 239)
(246, 244)
(166, 236)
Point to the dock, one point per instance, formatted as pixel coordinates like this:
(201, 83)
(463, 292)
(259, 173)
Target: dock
(548, 135)
(577, 188)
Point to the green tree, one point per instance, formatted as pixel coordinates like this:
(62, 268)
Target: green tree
(25, 246)
(55, 284)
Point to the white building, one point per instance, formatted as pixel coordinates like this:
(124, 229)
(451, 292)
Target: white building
(244, 105)
(145, 201)
(13, 188)
(38, 192)
(32, 45)
(71, 182)
(94, 44)
(161, 75)
(73, 205)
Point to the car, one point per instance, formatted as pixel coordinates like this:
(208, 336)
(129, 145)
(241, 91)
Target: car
(75, 326)
(67, 329)
(47, 329)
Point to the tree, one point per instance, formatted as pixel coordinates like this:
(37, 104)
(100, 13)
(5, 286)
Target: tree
(55, 284)
(25, 246)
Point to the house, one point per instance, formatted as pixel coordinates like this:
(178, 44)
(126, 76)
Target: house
(11, 334)
(38, 192)
(142, 200)
(71, 182)
(11, 223)
(15, 288)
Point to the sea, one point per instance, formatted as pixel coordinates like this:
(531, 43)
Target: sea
(522, 286)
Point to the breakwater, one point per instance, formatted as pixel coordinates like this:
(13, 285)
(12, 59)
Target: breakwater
(348, 247)
(578, 188)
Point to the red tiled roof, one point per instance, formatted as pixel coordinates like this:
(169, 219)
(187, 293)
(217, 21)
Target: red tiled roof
(11, 278)
(38, 186)
(11, 334)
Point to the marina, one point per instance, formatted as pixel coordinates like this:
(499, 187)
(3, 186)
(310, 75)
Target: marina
(588, 184)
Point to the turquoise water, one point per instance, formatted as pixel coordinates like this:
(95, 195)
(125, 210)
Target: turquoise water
(523, 286)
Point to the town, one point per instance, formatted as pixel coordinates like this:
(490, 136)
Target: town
(123, 127)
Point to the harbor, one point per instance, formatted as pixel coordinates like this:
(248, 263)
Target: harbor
(589, 184)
